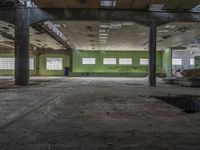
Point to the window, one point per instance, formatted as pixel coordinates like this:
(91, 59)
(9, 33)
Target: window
(125, 61)
(31, 64)
(54, 63)
(176, 61)
(88, 61)
(144, 61)
(109, 61)
(8, 63)
(192, 62)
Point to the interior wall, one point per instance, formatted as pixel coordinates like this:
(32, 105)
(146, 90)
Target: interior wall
(10, 54)
(99, 69)
(39, 64)
(197, 62)
(167, 62)
(42, 64)
(185, 55)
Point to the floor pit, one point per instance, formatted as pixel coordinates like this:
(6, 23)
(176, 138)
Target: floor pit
(188, 103)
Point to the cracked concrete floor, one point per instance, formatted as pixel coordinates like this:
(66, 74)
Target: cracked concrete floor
(95, 114)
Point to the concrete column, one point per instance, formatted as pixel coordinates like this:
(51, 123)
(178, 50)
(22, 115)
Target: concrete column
(22, 46)
(152, 55)
(71, 61)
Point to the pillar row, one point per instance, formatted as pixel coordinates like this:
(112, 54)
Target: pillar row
(152, 54)
(22, 46)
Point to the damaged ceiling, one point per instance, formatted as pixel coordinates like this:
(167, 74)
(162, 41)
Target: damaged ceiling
(127, 36)
(116, 36)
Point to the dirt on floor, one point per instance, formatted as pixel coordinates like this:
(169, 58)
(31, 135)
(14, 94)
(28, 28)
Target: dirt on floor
(95, 114)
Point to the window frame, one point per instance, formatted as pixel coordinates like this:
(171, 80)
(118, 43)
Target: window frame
(59, 68)
(125, 61)
(88, 61)
(107, 61)
(176, 63)
(144, 61)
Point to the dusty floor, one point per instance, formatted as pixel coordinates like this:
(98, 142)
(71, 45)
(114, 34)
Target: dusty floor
(94, 114)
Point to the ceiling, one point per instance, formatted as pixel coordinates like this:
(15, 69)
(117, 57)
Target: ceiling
(120, 36)
(120, 4)
(127, 36)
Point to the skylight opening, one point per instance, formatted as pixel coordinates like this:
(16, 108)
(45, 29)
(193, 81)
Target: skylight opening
(103, 26)
(103, 37)
(108, 3)
(103, 34)
(156, 7)
(170, 26)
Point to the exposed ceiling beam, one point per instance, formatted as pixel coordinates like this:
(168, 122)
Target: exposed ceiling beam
(43, 28)
(141, 17)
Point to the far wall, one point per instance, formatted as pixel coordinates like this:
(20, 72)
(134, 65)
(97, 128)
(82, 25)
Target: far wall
(100, 69)
(186, 56)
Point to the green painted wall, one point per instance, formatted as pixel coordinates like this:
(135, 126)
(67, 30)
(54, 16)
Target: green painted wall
(42, 64)
(11, 72)
(99, 67)
(167, 62)
(197, 62)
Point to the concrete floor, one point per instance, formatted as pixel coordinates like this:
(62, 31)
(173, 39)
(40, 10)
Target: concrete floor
(94, 114)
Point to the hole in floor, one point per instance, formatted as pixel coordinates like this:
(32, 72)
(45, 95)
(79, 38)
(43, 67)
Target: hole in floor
(188, 103)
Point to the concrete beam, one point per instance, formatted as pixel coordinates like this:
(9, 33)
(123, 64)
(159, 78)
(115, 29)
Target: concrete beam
(141, 17)
(71, 61)
(152, 54)
(22, 46)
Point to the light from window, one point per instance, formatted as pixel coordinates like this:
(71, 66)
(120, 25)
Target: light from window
(109, 61)
(31, 64)
(125, 61)
(54, 63)
(176, 61)
(144, 61)
(88, 61)
(192, 62)
(7, 63)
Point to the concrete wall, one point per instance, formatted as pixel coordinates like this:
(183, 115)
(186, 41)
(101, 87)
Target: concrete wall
(42, 64)
(167, 62)
(10, 54)
(185, 56)
(99, 69)
(39, 64)
(197, 62)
